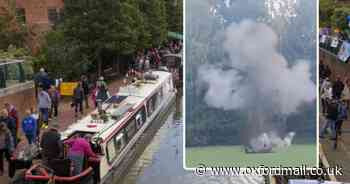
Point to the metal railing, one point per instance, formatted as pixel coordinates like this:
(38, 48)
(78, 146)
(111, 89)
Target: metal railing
(14, 72)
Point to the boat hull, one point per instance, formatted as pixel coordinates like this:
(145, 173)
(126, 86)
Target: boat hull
(140, 141)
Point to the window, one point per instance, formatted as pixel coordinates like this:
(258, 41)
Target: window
(20, 15)
(151, 104)
(161, 93)
(114, 147)
(111, 150)
(130, 129)
(53, 16)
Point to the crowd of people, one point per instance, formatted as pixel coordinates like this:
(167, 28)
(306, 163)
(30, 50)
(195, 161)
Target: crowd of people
(45, 116)
(335, 101)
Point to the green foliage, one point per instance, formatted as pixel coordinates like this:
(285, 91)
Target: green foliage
(155, 13)
(11, 33)
(326, 12)
(13, 52)
(174, 16)
(338, 18)
(92, 28)
(61, 58)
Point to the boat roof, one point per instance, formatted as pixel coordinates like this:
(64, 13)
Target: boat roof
(128, 97)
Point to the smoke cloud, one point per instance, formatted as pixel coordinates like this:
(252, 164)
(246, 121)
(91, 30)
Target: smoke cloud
(256, 78)
(258, 74)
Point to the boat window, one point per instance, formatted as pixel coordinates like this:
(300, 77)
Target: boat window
(130, 129)
(139, 121)
(111, 150)
(114, 147)
(142, 113)
(161, 94)
(119, 142)
(151, 104)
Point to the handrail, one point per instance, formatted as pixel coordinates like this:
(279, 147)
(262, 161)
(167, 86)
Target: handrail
(12, 61)
(73, 178)
(44, 176)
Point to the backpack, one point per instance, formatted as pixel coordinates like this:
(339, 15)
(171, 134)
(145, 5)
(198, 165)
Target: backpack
(28, 125)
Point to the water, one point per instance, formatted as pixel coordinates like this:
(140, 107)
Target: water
(161, 161)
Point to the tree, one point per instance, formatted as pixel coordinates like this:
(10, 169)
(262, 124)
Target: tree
(155, 12)
(11, 32)
(175, 15)
(104, 26)
(338, 18)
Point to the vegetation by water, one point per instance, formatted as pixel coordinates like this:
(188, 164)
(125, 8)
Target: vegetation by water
(293, 156)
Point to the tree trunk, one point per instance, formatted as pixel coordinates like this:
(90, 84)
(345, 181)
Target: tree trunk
(118, 65)
(99, 66)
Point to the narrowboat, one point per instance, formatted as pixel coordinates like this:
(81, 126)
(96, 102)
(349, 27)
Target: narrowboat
(115, 127)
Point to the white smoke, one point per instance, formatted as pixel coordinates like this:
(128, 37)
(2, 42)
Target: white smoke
(271, 140)
(258, 74)
(257, 79)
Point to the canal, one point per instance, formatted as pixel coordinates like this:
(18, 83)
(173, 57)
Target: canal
(161, 160)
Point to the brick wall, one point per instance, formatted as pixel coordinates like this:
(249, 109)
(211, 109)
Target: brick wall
(22, 98)
(36, 11)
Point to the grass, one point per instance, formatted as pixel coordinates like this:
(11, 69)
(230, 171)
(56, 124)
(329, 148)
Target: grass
(293, 156)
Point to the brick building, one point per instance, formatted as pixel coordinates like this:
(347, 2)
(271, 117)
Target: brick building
(38, 12)
(38, 16)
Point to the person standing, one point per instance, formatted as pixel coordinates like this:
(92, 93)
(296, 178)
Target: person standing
(29, 127)
(78, 96)
(342, 115)
(79, 149)
(44, 105)
(326, 95)
(337, 88)
(6, 145)
(85, 85)
(331, 118)
(94, 93)
(102, 90)
(10, 124)
(51, 144)
(55, 99)
(42, 80)
(12, 112)
(346, 92)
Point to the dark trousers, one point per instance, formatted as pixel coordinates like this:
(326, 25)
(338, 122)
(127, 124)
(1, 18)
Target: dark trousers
(6, 153)
(324, 105)
(78, 104)
(30, 138)
(338, 126)
(54, 110)
(86, 100)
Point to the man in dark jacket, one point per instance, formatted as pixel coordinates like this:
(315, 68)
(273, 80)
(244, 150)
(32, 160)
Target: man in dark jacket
(78, 96)
(51, 144)
(331, 118)
(337, 88)
(85, 86)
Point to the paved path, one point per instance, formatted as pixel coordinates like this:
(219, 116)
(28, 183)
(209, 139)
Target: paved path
(340, 156)
(66, 117)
